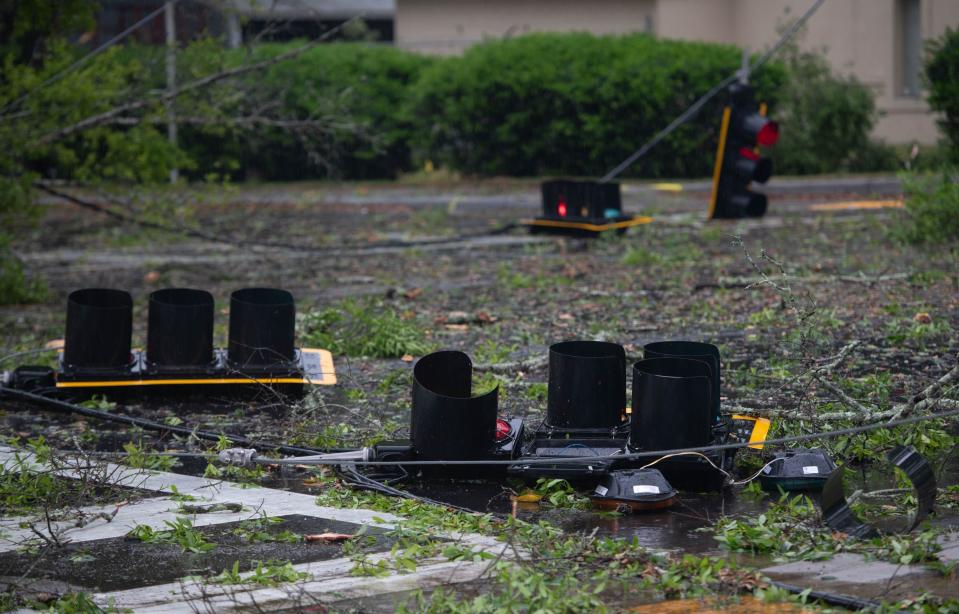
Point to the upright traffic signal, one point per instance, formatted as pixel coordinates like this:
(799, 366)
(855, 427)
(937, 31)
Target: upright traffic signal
(745, 130)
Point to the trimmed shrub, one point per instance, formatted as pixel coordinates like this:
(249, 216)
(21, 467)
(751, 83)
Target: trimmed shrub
(575, 104)
(942, 80)
(539, 104)
(932, 206)
(826, 120)
(876, 156)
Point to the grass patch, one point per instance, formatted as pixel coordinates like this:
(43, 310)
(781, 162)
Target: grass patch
(15, 286)
(367, 328)
(489, 351)
(511, 279)
(932, 208)
(181, 533)
(255, 531)
(640, 256)
(265, 573)
(28, 487)
(907, 331)
(138, 458)
(790, 530)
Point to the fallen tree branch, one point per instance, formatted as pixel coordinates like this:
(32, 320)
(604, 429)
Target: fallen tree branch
(748, 282)
(844, 398)
(122, 217)
(167, 95)
(836, 360)
(937, 386)
(856, 416)
(923, 400)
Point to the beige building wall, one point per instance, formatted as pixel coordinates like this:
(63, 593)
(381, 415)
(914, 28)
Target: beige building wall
(866, 38)
(451, 26)
(860, 37)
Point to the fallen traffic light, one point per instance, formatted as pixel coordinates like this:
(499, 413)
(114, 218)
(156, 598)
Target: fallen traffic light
(692, 350)
(673, 407)
(585, 411)
(449, 423)
(98, 356)
(582, 208)
(745, 129)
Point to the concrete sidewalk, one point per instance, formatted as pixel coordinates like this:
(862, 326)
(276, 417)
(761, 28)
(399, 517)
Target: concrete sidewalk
(327, 580)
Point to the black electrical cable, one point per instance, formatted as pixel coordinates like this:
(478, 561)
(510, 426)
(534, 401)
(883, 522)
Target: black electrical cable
(199, 234)
(588, 460)
(66, 407)
(354, 478)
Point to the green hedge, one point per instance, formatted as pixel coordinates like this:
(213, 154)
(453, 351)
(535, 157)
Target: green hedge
(575, 104)
(540, 104)
(826, 120)
(359, 89)
(942, 80)
(931, 206)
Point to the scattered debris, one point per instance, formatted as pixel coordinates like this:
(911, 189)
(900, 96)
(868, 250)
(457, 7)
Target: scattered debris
(327, 537)
(188, 508)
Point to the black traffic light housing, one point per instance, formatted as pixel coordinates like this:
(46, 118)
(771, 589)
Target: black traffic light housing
(449, 423)
(744, 131)
(98, 356)
(582, 208)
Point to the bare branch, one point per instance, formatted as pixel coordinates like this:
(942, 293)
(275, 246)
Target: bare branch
(163, 96)
(252, 120)
(844, 398)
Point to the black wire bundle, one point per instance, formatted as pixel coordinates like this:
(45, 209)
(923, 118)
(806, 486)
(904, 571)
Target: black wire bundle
(354, 478)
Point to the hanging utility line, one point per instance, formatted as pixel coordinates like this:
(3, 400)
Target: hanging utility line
(694, 109)
(72, 408)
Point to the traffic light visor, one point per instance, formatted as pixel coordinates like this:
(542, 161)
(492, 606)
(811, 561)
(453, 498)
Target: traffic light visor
(757, 130)
(768, 134)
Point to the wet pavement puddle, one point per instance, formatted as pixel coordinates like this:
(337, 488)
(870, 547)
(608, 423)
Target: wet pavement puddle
(126, 562)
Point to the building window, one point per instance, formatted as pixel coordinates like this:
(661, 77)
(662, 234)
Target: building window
(909, 40)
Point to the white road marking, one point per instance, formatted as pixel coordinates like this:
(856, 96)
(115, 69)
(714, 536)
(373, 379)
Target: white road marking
(329, 580)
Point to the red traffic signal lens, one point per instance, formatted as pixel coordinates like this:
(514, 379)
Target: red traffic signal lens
(748, 153)
(503, 429)
(768, 134)
(561, 209)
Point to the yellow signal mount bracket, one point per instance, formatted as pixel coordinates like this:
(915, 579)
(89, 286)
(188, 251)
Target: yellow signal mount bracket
(718, 168)
(317, 367)
(636, 221)
(855, 205)
(759, 432)
(668, 187)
